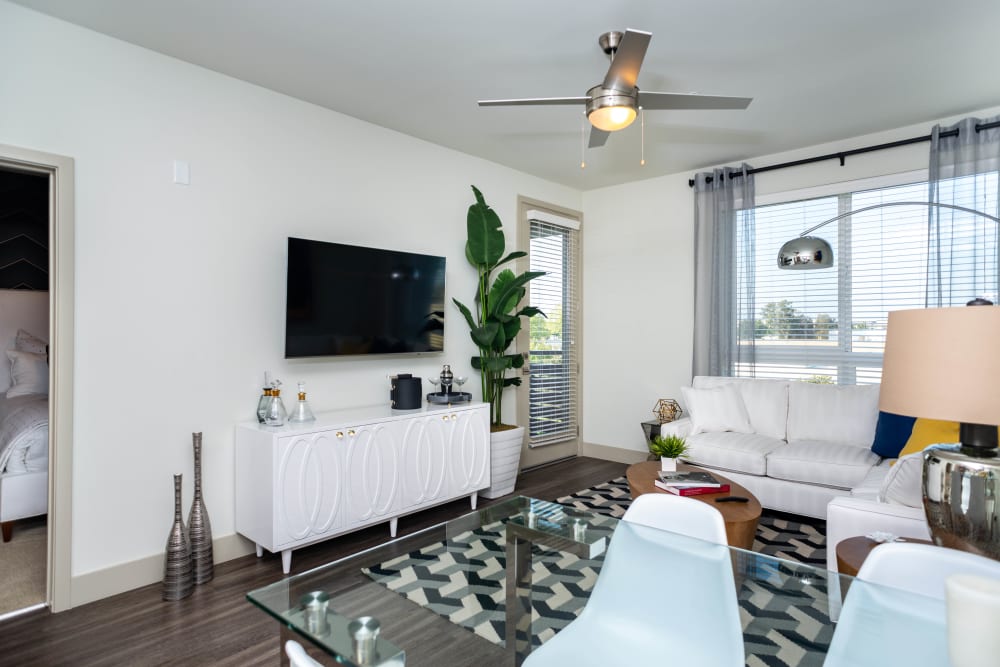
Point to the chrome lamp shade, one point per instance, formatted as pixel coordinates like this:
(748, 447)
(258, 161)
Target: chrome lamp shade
(805, 252)
(944, 363)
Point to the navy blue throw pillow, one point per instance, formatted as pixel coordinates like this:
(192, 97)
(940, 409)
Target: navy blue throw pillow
(891, 434)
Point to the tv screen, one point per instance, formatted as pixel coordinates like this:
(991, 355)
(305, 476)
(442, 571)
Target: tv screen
(350, 300)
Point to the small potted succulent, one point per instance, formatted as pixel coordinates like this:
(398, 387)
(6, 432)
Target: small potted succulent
(668, 448)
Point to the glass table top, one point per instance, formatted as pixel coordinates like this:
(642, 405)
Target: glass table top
(454, 594)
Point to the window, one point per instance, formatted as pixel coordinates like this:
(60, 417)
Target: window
(829, 325)
(554, 368)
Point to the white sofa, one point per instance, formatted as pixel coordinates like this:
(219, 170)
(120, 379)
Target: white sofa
(800, 447)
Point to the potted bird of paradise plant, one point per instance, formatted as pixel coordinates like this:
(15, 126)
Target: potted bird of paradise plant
(493, 325)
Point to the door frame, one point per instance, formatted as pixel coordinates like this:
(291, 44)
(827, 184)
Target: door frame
(60, 170)
(531, 457)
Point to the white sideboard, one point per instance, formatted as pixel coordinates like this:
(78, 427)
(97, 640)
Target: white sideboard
(302, 483)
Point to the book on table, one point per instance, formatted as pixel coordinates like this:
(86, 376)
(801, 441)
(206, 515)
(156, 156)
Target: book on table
(691, 490)
(678, 478)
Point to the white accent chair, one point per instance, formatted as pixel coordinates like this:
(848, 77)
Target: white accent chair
(901, 619)
(297, 655)
(678, 515)
(661, 598)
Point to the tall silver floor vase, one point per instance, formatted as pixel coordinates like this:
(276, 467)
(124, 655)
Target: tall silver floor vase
(178, 572)
(199, 527)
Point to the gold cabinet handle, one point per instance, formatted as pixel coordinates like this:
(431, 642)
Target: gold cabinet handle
(340, 435)
(444, 417)
(454, 417)
(351, 433)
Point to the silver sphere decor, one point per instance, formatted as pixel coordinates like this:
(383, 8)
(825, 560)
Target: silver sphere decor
(199, 526)
(178, 571)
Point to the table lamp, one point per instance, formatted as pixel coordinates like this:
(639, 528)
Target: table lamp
(944, 363)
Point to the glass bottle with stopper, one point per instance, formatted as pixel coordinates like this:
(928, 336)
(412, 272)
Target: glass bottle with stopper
(276, 413)
(302, 412)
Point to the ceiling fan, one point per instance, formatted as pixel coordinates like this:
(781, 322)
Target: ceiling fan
(612, 104)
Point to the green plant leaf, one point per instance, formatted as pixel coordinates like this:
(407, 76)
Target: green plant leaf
(512, 382)
(486, 239)
(516, 360)
(511, 327)
(530, 311)
(477, 363)
(466, 312)
(485, 336)
(508, 292)
(517, 254)
(497, 364)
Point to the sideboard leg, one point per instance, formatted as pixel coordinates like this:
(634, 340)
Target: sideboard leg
(393, 526)
(474, 498)
(260, 550)
(286, 560)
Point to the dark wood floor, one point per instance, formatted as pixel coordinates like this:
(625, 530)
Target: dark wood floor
(216, 625)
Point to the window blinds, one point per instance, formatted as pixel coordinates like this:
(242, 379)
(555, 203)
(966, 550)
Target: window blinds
(830, 325)
(553, 393)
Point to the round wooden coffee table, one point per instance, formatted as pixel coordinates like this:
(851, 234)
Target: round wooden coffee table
(741, 518)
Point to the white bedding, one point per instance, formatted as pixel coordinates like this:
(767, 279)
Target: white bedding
(24, 433)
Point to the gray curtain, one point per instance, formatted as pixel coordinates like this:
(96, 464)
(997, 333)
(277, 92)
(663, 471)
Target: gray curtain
(962, 260)
(723, 221)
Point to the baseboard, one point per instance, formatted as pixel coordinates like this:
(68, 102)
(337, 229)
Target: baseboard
(100, 584)
(616, 454)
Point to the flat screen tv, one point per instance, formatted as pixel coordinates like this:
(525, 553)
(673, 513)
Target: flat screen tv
(350, 300)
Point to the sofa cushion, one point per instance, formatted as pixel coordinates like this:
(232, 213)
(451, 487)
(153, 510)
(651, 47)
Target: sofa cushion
(817, 462)
(739, 452)
(766, 401)
(929, 432)
(716, 409)
(902, 486)
(891, 433)
(870, 485)
(830, 413)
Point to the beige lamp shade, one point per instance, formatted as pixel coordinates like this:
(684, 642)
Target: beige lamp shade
(943, 363)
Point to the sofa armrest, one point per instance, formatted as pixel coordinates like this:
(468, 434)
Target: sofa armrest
(848, 517)
(679, 427)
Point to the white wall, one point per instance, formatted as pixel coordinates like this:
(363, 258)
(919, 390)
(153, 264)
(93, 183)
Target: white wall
(180, 289)
(638, 258)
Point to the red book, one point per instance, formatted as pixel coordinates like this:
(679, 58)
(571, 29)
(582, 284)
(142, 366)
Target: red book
(691, 490)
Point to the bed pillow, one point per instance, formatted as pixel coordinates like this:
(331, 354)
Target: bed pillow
(891, 433)
(716, 409)
(26, 342)
(29, 374)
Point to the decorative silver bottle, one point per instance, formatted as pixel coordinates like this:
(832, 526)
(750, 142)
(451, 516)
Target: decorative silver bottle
(302, 412)
(199, 526)
(178, 571)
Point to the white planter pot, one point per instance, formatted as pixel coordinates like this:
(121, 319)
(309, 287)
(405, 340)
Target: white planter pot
(668, 464)
(505, 459)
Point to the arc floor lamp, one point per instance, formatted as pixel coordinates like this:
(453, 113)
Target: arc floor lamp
(940, 363)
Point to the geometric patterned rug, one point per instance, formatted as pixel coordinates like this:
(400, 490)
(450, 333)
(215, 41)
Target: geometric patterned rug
(462, 579)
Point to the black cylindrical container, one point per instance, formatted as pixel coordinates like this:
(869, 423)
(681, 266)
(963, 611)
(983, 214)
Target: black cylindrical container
(405, 392)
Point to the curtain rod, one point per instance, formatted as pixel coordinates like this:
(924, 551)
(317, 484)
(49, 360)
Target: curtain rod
(843, 155)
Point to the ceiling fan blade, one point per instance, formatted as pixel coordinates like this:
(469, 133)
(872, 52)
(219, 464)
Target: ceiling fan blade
(690, 101)
(624, 68)
(597, 137)
(537, 101)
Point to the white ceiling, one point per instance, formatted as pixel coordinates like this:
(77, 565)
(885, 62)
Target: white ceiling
(818, 71)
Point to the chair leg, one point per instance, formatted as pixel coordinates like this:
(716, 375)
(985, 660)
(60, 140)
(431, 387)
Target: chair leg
(7, 529)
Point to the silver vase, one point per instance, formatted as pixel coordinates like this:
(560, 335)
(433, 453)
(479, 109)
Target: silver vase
(199, 527)
(178, 572)
(961, 486)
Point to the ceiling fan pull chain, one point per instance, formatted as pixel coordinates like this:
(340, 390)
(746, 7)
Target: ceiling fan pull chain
(642, 137)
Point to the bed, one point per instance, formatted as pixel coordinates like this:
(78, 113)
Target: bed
(24, 459)
(24, 407)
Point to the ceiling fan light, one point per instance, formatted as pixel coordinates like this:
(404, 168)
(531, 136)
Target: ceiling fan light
(614, 118)
(610, 110)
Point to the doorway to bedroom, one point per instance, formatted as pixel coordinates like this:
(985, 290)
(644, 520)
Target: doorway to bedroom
(24, 387)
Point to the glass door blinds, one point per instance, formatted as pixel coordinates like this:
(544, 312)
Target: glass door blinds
(553, 351)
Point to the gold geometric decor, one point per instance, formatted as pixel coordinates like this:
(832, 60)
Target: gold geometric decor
(667, 410)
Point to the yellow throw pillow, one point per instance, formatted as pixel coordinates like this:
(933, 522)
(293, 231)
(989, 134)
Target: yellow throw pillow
(929, 432)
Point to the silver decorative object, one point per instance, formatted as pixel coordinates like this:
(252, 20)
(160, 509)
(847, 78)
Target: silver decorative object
(178, 571)
(364, 633)
(199, 527)
(960, 499)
